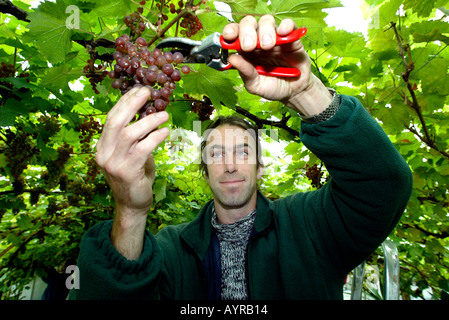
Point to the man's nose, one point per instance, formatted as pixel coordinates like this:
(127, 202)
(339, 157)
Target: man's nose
(230, 165)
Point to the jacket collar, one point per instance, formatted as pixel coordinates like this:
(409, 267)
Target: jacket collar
(197, 233)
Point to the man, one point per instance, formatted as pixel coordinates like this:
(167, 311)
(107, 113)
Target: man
(241, 245)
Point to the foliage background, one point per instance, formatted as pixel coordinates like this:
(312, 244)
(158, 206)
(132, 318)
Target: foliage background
(51, 191)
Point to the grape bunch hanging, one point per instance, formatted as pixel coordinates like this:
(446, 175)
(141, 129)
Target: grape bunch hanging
(137, 66)
(314, 174)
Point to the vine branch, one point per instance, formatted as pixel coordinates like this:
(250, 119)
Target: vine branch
(409, 66)
(260, 122)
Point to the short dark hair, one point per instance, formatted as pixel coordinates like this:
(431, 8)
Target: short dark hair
(232, 120)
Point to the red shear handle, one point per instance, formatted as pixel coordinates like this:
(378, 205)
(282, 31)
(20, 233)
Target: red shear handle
(292, 36)
(278, 71)
(273, 71)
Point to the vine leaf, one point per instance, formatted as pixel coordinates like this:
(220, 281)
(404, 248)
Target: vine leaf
(49, 31)
(213, 84)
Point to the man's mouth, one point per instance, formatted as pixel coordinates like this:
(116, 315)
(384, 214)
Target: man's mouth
(230, 182)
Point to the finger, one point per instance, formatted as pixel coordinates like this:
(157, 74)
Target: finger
(144, 149)
(114, 110)
(267, 32)
(111, 114)
(231, 31)
(127, 107)
(248, 33)
(246, 69)
(286, 27)
(117, 120)
(133, 134)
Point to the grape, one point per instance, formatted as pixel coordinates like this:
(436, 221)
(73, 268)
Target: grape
(115, 84)
(128, 20)
(167, 68)
(140, 41)
(124, 85)
(141, 72)
(117, 55)
(176, 75)
(135, 63)
(157, 53)
(160, 61)
(124, 63)
(160, 105)
(168, 56)
(150, 110)
(151, 76)
(178, 57)
(120, 41)
(155, 94)
(162, 78)
(185, 69)
(165, 92)
(145, 54)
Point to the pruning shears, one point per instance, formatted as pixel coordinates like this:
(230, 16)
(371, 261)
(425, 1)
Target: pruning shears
(213, 51)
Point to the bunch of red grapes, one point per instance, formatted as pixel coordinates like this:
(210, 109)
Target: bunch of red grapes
(95, 74)
(137, 66)
(314, 174)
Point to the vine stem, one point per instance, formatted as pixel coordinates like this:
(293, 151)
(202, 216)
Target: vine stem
(414, 104)
(181, 14)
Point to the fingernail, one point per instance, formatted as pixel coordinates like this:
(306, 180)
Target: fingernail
(142, 91)
(248, 42)
(164, 130)
(267, 40)
(228, 31)
(161, 114)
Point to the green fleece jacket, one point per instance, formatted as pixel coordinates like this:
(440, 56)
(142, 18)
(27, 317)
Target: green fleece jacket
(304, 245)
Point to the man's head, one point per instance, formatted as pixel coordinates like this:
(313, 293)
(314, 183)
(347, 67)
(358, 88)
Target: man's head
(231, 161)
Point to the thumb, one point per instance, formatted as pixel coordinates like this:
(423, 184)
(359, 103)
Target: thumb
(246, 69)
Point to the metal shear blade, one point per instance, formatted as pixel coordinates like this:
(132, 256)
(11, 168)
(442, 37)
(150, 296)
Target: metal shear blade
(208, 51)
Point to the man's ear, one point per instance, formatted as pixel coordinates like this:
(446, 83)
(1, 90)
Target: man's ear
(260, 172)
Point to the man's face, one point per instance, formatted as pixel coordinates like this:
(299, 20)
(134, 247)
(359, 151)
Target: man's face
(230, 155)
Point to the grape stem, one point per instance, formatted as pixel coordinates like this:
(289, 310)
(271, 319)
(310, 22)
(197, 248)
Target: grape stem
(169, 25)
(182, 13)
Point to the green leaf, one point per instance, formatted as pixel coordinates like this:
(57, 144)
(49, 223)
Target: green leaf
(52, 229)
(240, 7)
(160, 189)
(25, 222)
(422, 8)
(213, 84)
(49, 31)
(117, 8)
(10, 110)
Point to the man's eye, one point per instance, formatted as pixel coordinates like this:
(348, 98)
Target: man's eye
(242, 153)
(217, 154)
